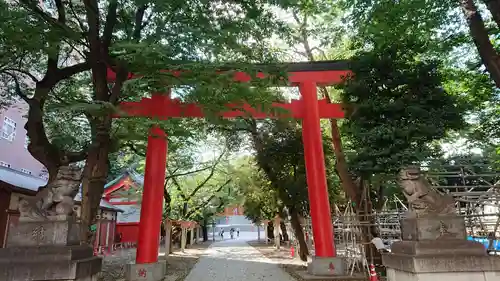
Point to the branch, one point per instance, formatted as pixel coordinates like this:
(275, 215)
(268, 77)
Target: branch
(296, 17)
(93, 22)
(23, 72)
(177, 185)
(67, 72)
(212, 172)
(32, 6)
(208, 200)
(61, 12)
(139, 15)
(80, 24)
(110, 25)
(494, 7)
(172, 175)
(18, 90)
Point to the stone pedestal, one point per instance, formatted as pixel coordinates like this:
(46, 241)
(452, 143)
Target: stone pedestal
(146, 272)
(441, 268)
(327, 269)
(326, 266)
(47, 250)
(435, 248)
(64, 232)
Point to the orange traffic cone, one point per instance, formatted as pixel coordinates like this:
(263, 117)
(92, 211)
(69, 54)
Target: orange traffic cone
(373, 274)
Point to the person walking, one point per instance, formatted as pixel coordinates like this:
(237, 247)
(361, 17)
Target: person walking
(237, 232)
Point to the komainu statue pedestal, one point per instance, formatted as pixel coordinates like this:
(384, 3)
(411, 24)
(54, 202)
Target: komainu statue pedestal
(436, 249)
(47, 251)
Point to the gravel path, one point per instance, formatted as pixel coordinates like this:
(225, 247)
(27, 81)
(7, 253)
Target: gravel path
(235, 260)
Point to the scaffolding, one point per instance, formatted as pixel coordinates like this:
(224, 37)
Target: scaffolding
(477, 196)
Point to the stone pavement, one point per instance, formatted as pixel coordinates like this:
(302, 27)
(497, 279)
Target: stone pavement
(235, 260)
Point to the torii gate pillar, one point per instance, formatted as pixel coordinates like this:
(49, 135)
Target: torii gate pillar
(324, 261)
(147, 266)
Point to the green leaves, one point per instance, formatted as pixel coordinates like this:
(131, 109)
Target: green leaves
(399, 110)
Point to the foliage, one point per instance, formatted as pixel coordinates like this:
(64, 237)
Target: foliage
(439, 30)
(275, 179)
(399, 109)
(260, 201)
(201, 193)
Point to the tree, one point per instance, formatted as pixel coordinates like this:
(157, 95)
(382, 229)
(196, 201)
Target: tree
(54, 44)
(437, 30)
(399, 109)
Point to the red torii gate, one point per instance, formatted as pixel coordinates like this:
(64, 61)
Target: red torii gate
(307, 76)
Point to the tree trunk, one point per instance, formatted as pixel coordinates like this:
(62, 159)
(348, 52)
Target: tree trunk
(270, 230)
(487, 52)
(39, 146)
(284, 232)
(494, 7)
(204, 228)
(299, 234)
(346, 180)
(184, 210)
(95, 174)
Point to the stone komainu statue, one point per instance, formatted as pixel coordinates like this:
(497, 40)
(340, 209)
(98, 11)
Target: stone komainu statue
(422, 198)
(56, 199)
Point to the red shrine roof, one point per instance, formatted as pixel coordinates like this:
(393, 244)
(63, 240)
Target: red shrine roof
(126, 180)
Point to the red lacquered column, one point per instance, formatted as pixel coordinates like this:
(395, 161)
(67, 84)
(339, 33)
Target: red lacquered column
(315, 172)
(152, 197)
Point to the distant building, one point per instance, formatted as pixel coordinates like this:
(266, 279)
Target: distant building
(234, 217)
(14, 152)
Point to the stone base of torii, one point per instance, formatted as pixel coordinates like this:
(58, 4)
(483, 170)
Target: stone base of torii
(157, 271)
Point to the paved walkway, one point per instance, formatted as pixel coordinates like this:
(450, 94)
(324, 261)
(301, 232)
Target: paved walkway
(235, 260)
